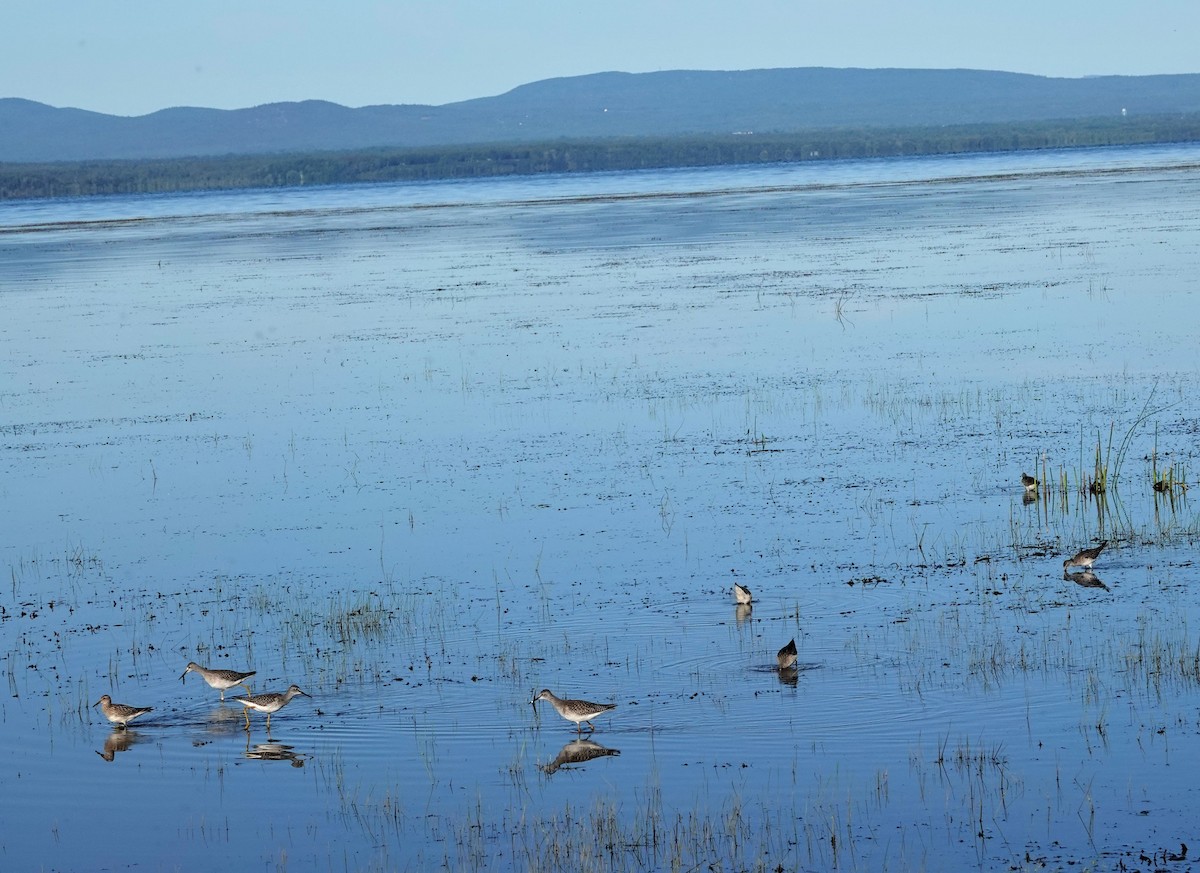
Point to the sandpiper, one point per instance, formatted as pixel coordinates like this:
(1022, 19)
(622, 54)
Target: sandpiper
(787, 655)
(578, 711)
(1084, 557)
(741, 593)
(118, 713)
(222, 680)
(268, 703)
(1029, 482)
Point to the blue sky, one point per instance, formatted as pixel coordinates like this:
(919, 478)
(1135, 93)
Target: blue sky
(130, 57)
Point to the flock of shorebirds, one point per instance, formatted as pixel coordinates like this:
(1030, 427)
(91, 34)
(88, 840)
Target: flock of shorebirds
(121, 714)
(583, 711)
(579, 711)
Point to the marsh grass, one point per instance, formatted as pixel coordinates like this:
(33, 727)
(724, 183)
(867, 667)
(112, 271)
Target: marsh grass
(1169, 481)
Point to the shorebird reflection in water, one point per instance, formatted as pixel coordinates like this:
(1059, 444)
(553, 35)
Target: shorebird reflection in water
(1085, 579)
(273, 752)
(743, 612)
(118, 713)
(578, 711)
(577, 752)
(1084, 557)
(268, 703)
(1029, 482)
(787, 656)
(118, 741)
(742, 594)
(222, 680)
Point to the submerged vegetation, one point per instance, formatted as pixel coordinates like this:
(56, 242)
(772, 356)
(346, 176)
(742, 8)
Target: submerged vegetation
(94, 178)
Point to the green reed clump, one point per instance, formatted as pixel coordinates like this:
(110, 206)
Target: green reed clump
(1171, 480)
(1098, 483)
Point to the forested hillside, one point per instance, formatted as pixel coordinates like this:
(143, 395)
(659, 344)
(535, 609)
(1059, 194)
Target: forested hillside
(564, 156)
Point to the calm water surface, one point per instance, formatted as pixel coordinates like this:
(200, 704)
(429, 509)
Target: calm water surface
(424, 450)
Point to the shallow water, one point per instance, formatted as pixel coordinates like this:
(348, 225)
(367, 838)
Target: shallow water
(424, 450)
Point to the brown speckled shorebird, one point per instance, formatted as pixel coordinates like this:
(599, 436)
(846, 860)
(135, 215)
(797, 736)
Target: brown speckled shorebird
(270, 702)
(222, 680)
(787, 656)
(118, 713)
(1084, 557)
(578, 711)
(1029, 482)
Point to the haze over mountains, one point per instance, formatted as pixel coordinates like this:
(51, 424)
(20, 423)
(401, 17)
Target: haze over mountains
(660, 104)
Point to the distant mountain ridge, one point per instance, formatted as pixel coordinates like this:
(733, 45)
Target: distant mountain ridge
(662, 104)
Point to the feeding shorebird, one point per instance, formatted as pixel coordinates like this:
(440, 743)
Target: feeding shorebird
(270, 702)
(222, 680)
(787, 656)
(1084, 557)
(741, 593)
(1029, 482)
(578, 711)
(118, 713)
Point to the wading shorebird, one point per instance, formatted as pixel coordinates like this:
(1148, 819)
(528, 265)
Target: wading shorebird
(578, 711)
(222, 680)
(1029, 482)
(118, 713)
(787, 656)
(741, 593)
(270, 702)
(1084, 557)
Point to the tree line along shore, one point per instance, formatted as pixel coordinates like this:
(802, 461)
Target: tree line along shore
(173, 175)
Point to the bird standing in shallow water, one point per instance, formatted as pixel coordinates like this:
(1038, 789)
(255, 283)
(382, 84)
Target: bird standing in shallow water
(578, 711)
(118, 713)
(1084, 557)
(787, 656)
(222, 680)
(741, 593)
(1029, 482)
(268, 703)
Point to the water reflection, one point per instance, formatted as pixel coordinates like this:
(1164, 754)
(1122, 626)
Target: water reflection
(577, 752)
(120, 740)
(789, 675)
(224, 720)
(742, 613)
(1085, 578)
(270, 751)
